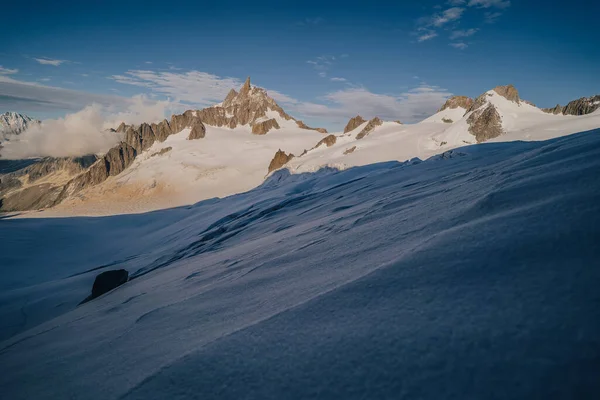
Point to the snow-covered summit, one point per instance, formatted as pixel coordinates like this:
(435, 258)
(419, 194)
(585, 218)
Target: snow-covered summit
(13, 123)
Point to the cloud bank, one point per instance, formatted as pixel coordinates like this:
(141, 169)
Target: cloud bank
(83, 132)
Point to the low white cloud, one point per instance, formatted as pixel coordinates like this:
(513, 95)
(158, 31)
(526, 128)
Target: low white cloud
(84, 132)
(459, 45)
(50, 61)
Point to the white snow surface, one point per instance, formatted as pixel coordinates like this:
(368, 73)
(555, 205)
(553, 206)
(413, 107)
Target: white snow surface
(225, 162)
(231, 161)
(473, 274)
(392, 141)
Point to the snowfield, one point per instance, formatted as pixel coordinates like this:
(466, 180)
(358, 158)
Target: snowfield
(471, 275)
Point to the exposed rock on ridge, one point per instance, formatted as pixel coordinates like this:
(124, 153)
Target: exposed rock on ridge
(354, 123)
(457, 101)
(279, 160)
(373, 123)
(261, 128)
(509, 92)
(485, 123)
(582, 106)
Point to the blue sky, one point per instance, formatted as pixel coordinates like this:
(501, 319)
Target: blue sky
(322, 62)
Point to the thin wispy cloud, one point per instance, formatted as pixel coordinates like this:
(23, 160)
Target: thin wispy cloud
(451, 14)
(337, 79)
(322, 64)
(429, 26)
(491, 17)
(193, 87)
(489, 3)
(50, 61)
(459, 45)
(7, 71)
(427, 36)
(463, 33)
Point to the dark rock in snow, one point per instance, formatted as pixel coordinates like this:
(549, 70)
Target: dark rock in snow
(107, 281)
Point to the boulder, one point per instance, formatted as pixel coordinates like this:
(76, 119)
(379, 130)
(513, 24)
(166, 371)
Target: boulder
(107, 281)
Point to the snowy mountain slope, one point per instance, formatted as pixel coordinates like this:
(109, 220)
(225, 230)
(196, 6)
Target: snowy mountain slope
(472, 275)
(224, 162)
(12, 123)
(391, 141)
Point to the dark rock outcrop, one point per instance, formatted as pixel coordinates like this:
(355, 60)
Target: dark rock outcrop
(582, 106)
(49, 165)
(485, 123)
(373, 123)
(261, 128)
(198, 131)
(304, 126)
(509, 92)
(279, 160)
(354, 123)
(350, 150)
(162, 130)
(558, 109)
(113, 163)
(31, 198)
(107, 281)
(457, 101)
(328, 141)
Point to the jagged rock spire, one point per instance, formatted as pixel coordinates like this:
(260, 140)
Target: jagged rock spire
(246, 88)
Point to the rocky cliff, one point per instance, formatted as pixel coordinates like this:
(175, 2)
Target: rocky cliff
(457, 101)
(373, 123)
(582, 106)
(279, 160)
(354, 123)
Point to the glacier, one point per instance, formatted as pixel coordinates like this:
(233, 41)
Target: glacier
(471, 274)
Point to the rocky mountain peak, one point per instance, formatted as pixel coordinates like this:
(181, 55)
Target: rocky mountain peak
(13, 123)
(354, 123)
(457, 101)
(509, 92)
(246, 87)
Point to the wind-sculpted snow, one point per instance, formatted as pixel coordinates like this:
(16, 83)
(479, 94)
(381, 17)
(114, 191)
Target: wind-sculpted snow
(473, 274)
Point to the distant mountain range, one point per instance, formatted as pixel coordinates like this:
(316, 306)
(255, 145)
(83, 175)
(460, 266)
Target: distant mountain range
(13, 123)
(231, 147)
